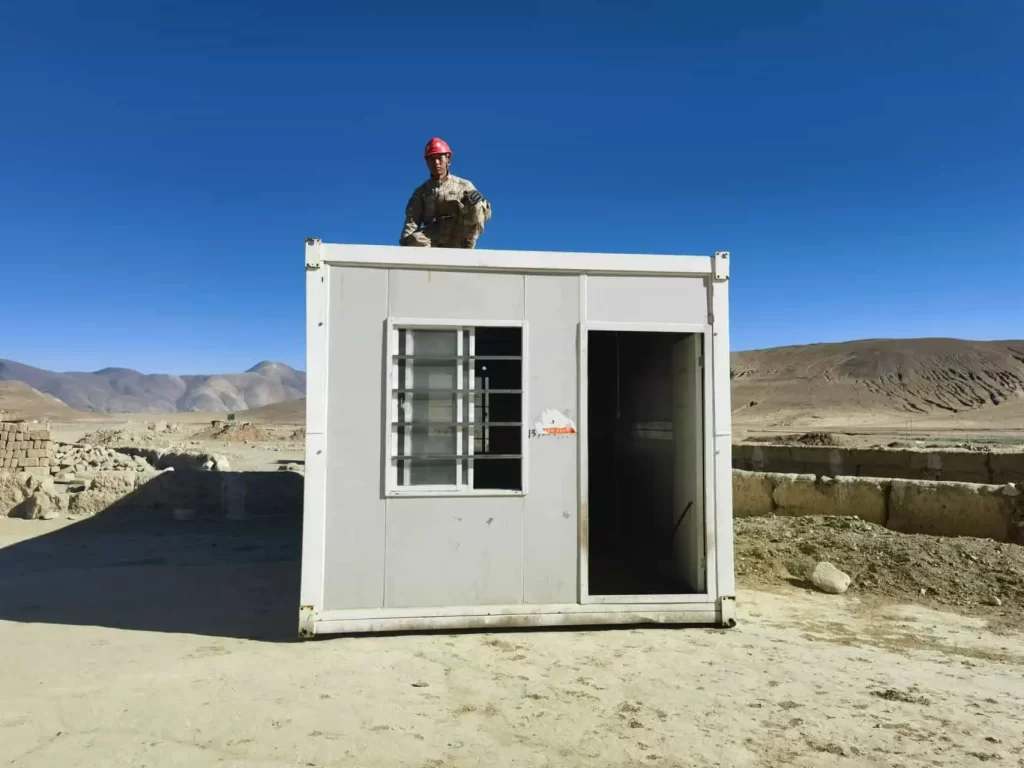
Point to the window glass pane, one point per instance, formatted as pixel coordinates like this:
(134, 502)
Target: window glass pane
(499, 474)
(428, 402)
(427, 472)
(424, 375)
(424, 343)
(499, 341)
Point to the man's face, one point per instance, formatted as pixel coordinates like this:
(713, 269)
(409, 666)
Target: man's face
(438, 165)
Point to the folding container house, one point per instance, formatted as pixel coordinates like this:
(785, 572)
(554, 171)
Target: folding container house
(499, 439)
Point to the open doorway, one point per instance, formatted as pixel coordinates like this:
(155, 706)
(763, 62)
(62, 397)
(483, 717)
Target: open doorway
(645, 421)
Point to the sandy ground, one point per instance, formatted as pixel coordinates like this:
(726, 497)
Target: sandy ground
(138, 643)
(174, 645)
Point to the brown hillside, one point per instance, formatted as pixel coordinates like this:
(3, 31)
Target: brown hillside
(879, 380)
(20, 400)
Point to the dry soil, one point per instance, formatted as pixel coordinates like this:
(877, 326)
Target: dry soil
(174, 646)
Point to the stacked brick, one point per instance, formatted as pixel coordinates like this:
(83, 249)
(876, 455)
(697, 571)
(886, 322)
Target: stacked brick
(23, 446)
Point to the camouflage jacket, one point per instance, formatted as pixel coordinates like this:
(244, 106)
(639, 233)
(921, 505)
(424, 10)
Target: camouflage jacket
(435, 200)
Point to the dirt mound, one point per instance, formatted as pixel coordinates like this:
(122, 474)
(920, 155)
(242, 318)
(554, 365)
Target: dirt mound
(972, 575)
(808, 438)
(89, 457)
(122, 438)
(817, 438)
(236, 433)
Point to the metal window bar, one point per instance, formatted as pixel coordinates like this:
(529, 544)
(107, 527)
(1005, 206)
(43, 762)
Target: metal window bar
(460, 457)
(459, 424)
(471, 406)
(460, 466)
(404, 381)
(452, 359)
(453, 390)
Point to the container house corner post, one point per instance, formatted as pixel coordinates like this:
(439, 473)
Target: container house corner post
(719, 301)
(314, 512)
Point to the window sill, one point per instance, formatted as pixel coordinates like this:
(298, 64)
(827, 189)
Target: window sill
(451, 493)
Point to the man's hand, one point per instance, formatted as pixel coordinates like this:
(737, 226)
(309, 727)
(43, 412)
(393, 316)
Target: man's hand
(472, 197)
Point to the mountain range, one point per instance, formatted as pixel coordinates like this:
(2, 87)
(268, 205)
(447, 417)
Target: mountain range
(122, 390)
(855, 382)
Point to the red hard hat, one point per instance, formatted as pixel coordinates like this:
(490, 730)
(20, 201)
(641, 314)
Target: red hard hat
(437, 147)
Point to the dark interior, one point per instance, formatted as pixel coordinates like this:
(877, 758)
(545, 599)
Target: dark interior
(499, 411)
(632, 459)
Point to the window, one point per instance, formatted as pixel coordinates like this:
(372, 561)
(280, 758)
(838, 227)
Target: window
(456, 409)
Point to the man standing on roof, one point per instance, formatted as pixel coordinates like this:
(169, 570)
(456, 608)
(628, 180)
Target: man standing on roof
(445, 211)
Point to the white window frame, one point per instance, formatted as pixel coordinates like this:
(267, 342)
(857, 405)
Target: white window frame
(391, 486)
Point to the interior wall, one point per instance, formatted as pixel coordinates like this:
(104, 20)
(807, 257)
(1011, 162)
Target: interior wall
(688, 425)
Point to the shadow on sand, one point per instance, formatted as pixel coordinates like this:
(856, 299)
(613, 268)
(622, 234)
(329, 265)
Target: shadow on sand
(137, 565)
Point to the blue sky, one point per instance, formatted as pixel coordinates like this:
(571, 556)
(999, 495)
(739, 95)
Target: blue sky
(162, 162)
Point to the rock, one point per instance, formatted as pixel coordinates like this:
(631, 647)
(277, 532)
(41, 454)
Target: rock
(119, 483)
(91, 502)
(39, 506)
(208, 465)
(13, 491)
(1010, 490)
(221, 464)
(995, 601)
(827, 578)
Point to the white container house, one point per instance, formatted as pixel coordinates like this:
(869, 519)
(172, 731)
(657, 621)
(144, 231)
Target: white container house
(510, 439)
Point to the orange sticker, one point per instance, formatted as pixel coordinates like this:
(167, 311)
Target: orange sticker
(553, 423)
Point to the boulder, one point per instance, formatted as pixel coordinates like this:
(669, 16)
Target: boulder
(88, 503)
(39, 506)
(827, 578)
(13, 491)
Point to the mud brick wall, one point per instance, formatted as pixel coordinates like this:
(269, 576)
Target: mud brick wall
(961, 466)
(24, 446)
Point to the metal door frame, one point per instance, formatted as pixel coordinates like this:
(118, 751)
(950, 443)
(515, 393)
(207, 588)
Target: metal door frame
(710, 539)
